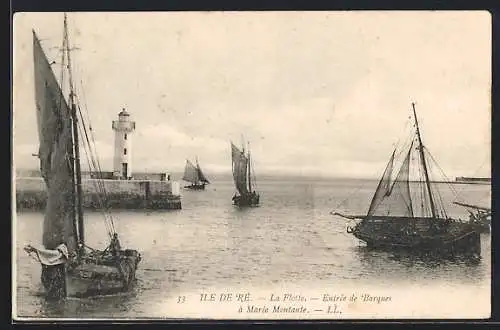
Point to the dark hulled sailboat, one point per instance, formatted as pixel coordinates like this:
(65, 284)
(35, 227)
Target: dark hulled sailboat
(195, 176)
(396, 221)
(242, 175)
(69, 266)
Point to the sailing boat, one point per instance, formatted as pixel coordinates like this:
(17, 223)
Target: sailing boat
(479, 216)
(194, 175)
(69, 267)
(242, 175)
(396, 221)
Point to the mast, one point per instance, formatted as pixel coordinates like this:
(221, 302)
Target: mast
(422, 157)
(76, 144)
(197, 171)
(249, 170)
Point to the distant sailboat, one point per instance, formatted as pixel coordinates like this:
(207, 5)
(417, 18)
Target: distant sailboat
(69, 266)
(242, 175)
(195, 176)
(392, 221)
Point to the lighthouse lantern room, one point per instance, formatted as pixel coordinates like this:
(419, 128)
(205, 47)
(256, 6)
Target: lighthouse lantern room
(122, 161)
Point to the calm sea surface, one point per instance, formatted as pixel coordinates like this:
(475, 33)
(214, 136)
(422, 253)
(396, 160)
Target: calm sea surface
(290, 238)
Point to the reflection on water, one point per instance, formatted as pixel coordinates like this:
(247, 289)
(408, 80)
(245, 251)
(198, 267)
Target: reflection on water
(403, 265)
(289, 238)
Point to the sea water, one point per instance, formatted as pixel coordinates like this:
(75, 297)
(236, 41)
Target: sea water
(290, 239)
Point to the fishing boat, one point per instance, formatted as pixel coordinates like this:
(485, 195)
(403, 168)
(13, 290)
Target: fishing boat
(195, 176)
(413, 217)
(479, 216)
(70, 268)
(244, 178)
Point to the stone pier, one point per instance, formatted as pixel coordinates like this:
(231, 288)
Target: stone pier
(119, 194)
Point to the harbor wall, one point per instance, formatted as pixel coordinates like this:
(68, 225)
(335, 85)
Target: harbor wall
(120, 194)
(463, 179)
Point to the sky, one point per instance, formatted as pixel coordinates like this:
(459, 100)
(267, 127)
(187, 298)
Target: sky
(315, 93)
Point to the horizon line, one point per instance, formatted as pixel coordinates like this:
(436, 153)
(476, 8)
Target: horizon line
(276, 174)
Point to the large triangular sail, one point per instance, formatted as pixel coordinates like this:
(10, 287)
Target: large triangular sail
(55, 153)
(383, 187)
(190, 173)
(194, 173)
(239, 168)
(201, 177)
(396, 201)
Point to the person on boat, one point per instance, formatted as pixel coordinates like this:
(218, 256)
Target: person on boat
(114, 245)
(472, 218)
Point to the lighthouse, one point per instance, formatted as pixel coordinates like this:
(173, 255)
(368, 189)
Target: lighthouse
(122, 161)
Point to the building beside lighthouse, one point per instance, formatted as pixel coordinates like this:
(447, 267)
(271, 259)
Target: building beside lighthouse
(125, 189)
(124, 127)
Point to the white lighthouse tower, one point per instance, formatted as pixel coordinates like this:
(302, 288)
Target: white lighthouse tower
(122, 162)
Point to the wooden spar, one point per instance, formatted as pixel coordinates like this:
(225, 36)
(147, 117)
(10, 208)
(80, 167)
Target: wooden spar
(485, 209)
(76, 144)
(79, 208)
(352, 217)
(422, 157)
(72, 157)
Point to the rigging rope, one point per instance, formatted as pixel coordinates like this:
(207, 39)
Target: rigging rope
(95, 162)
(441, 208)
(407, 140)
(66, 66)
(403, 134)
(447, 180)
(109, 229)
(473, 175)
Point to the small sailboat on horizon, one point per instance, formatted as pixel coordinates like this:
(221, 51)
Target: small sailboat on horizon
(244, 178)
(413, 218)
(194, 175)
(70, 268)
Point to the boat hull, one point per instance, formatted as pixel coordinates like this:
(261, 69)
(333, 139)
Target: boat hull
(481, 223)
(246, 200)
(453, 238)
(482, 228)
(195, 187)
(92, 277)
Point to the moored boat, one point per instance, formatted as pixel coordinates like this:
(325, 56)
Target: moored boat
(195, 176)
(244, 178)
(413, 217)
(69, 266)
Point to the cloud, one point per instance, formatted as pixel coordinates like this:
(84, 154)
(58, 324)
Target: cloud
(104, 152)
(328, 92)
